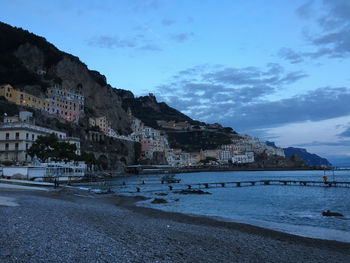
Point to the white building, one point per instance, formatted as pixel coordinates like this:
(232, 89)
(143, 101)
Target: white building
(248, 157)
(18, 133)
(17, 137)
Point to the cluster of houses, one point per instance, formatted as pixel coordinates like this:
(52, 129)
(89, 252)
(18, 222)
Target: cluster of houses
(19, 132)
(242, 149)
(58, 101)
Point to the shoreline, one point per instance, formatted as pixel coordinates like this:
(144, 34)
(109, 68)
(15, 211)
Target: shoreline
(131, 203)
(87, 227)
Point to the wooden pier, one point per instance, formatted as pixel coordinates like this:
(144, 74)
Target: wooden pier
(270, 182)
(178, 186)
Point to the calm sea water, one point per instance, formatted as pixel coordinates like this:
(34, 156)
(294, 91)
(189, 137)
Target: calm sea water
(291, 209)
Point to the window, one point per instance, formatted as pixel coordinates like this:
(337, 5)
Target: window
(7, 136)
(17, 135)
(6, 146)
(16, 146)
(8, 89)
(21, 96)
(32, 136)
(26, 146)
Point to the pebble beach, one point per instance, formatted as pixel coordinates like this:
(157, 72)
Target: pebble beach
(66, 225)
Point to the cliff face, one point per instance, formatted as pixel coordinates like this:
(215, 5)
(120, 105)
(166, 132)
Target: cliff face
(148, 110)
(309, 158)
(23, 54)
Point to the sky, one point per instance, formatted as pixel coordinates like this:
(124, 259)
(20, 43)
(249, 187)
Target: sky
(276, 70)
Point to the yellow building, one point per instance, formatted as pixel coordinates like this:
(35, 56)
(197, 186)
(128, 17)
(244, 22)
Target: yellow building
(102, 123)
(23, 98)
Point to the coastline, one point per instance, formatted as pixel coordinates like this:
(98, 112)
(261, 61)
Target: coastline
(89, 228)
(228, 169)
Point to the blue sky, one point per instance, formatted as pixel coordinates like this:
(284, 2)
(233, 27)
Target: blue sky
(274, 69)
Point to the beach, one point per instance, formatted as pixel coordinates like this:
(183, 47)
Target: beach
(68, 225)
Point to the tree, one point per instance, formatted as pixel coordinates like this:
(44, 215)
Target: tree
(46, 147)
(89, 159)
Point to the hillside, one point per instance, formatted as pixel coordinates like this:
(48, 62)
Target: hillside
(24, 54)
(310, 158)
(30, 63)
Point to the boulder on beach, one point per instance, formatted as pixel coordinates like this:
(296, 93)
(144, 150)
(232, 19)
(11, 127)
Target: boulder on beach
(159, 201)
(189, 191)
(161, 194)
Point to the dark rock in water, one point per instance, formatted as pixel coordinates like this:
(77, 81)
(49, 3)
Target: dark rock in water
(329, 213)
(161, 194)
(177, 200)
(159, 201)
(188, 191)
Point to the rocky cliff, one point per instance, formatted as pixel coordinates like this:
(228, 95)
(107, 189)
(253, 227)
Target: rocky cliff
(310, 158)
(31, 63)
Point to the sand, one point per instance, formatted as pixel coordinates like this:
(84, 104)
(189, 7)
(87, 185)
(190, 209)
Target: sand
(77, 226)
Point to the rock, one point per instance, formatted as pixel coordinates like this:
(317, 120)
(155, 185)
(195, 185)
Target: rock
(188, 191)
(161, 194)
(159, 201)
(329, 213)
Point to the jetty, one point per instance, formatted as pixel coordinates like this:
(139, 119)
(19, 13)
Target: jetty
(270, 182)
(232, 184)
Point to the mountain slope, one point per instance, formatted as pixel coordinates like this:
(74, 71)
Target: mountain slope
(310, 158)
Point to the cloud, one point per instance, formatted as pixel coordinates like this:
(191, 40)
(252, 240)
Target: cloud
(237, 96)
(167, 22)
(182, 37)
(318, 143)
(111, 42)
(345, 133)
(290, 55)
(145, 5)
(305, 10)
(333, 38)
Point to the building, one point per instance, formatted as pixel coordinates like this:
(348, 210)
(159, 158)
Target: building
(103, 123)
(23, 98)
(209, 153)
(248, 157)
(147, 148)
(24, 116)
(180, 126)
(65, 103)
(18, 136)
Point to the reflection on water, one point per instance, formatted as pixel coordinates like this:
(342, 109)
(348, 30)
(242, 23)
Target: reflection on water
(293, 209)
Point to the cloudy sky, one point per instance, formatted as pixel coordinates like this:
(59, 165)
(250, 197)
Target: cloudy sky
(278, 70)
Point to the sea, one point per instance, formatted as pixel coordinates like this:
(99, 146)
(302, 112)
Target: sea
(293, 209)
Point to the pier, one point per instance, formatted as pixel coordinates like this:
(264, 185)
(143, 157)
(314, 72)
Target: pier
(269, 182)
(233, 184)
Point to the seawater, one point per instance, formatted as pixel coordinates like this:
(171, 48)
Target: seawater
(291, 209)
